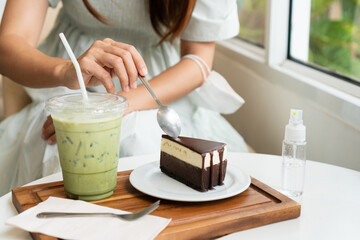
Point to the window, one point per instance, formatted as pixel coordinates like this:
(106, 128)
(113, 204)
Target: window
(325, 34)
(252, 21)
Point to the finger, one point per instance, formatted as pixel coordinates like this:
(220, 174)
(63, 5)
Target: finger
(111, 71)
(123, 57)
(137, 58)
(52, 140)
(133, 61)
(46, 124)
(48, 121)
(121, 71)
(48, 131)
(118, 65)
(94, 69)
(130, 67)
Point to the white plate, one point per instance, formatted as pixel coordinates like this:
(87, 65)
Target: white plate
(150, 180)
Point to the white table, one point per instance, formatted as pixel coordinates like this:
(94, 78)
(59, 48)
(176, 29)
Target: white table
(330, 203)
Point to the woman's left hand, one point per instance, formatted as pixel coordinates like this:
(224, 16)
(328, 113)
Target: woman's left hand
(48, 131)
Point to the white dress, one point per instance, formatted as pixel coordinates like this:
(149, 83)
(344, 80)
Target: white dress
(24, 156)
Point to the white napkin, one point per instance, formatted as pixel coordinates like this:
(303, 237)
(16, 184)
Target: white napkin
(147, 227)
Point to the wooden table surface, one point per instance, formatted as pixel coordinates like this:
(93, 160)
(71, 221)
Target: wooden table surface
(330, 203)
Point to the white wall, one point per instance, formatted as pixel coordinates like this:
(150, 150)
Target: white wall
(333, 125)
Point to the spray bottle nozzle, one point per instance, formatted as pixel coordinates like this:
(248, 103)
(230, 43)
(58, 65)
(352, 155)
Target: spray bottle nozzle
(295, 117)
(295, 131)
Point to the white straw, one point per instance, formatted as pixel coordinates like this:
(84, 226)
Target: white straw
(76, 65)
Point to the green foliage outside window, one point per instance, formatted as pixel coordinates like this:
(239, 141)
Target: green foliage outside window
(252, 20)
(334, 41)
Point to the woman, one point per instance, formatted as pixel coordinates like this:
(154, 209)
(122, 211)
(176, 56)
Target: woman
(116, 41)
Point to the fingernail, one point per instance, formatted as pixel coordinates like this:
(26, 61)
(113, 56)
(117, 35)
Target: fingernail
(133, 85)
(143, 71)
(50, 141)
(127, 89)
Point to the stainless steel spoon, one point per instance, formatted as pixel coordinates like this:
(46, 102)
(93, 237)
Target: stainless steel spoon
(168, 119)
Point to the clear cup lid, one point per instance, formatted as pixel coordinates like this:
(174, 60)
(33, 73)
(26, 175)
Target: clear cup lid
(97, 104)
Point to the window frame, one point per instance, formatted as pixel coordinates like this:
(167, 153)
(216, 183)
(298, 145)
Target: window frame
(275, 56)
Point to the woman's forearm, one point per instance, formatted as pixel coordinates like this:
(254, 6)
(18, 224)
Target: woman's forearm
(175, 82)
(19, 35)
(27, 66)
(169, 86)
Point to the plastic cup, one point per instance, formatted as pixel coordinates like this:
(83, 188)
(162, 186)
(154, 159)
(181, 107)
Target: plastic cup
(88, 139)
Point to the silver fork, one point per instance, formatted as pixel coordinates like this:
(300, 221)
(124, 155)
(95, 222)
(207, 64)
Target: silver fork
(127, 216)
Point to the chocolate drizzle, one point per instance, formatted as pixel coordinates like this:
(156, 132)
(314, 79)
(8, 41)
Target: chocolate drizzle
(211, 171)
(202, 170)
(221, 155)
(219, 180)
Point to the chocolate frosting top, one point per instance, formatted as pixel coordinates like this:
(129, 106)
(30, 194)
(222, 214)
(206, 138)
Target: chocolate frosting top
(196, 144)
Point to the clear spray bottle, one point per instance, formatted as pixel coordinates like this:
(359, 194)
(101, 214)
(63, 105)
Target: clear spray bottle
(294, 155)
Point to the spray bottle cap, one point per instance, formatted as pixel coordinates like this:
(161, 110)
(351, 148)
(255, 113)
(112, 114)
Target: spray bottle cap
(295, 131)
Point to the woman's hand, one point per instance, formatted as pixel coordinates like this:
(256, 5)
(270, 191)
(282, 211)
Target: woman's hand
(103, 61)
(48, 131)
(22, 62)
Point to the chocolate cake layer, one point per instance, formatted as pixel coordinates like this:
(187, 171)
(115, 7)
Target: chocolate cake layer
(200, 179)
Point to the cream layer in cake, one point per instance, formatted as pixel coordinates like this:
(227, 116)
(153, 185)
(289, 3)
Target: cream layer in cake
(189, 156)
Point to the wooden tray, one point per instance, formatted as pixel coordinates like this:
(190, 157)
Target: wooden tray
(258, 205)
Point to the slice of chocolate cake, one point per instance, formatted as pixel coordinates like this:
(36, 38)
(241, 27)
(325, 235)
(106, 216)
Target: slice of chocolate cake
(198, 163)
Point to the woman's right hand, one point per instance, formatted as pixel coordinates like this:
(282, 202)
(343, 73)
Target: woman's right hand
(22, 62)
(105, 60)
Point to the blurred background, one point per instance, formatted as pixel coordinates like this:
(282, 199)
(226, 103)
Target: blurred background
(297, 54)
